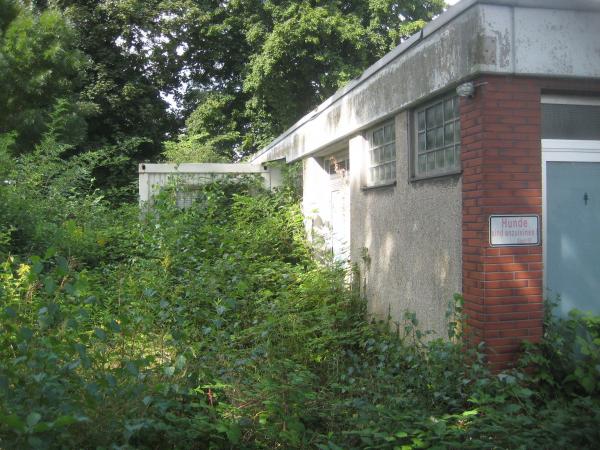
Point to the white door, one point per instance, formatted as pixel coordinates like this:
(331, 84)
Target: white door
(571, 186)
(338, 168)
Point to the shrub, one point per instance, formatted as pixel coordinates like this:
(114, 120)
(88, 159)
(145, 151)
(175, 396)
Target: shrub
(213, 327)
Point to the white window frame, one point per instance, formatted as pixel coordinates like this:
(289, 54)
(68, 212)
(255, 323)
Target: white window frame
(381, 155)
(419, 140)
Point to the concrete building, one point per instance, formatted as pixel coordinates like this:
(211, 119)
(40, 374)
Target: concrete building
(466, 160)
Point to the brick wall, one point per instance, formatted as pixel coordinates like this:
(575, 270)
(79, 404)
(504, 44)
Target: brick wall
(501, 161)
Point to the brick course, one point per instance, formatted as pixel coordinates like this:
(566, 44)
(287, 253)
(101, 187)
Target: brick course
(501, 160)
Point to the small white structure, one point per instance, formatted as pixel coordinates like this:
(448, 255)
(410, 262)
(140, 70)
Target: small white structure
(189, 176)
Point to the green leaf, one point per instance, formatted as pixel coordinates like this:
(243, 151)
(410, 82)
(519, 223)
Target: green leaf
(38, 267)
(114, 326)
(41, 427)
(66, 420)
(100, 334)
(13, 421)
(234, 433)
(9, 312)
(180, 362)
(512, 408)
(62, 265)
(33, 418)
(25, 334)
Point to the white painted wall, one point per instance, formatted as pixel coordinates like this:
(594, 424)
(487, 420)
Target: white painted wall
(152, 177)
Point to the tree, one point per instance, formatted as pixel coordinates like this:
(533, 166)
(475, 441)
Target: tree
(125, 76)
(276, 60)
(40, 74)
(241, 71)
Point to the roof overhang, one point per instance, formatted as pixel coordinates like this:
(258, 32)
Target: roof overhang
(553, 38)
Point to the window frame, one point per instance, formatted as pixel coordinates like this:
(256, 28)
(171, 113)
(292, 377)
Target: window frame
(337, 165)
(413, 132)
(368, 183)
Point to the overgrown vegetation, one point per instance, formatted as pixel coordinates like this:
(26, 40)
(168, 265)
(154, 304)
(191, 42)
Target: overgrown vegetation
(214, 327)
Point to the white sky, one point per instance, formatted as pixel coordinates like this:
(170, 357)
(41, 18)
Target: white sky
(452, 2)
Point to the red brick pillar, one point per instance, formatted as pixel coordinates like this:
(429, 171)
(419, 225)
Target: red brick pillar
(501, 162)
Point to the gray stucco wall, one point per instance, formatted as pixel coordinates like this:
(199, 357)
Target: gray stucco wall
(412, 234)
(410, 231)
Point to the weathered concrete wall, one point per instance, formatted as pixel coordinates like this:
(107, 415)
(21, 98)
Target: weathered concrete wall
(523, 37)
(411, 233)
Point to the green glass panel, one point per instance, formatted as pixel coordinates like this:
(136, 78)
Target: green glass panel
(430, 117)
(448, 109)
(449, 134)
(431, 161)
(456, 105)
(421, 120)
(449, 156)
(430, 140)
(392, 152)
(439, 159)
(378, 137)
(422, 164)
(439, 137)
(439, 114)
(388, 133)
(421, 140)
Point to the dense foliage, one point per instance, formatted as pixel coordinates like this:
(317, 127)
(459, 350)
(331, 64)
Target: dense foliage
(264, 64)
(214, 327)
(236, 72)
(41, 71)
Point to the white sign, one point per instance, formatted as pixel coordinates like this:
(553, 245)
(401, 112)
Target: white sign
(509, 230)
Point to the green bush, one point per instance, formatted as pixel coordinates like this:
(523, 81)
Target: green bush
(213, 327)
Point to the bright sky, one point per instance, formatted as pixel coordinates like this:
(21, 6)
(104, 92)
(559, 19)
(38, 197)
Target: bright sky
(452, 2)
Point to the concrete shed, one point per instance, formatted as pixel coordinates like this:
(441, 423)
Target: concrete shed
(466, 160)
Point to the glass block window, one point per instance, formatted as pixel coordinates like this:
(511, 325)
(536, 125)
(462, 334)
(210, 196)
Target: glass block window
(437, 149)
(381, 165)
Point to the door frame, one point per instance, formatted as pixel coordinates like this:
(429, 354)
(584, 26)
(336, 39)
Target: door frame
(562, 150)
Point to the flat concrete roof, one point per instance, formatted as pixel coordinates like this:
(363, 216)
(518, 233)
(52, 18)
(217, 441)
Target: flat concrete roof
(447, 16)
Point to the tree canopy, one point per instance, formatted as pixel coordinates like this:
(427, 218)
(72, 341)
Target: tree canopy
(203, 79)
